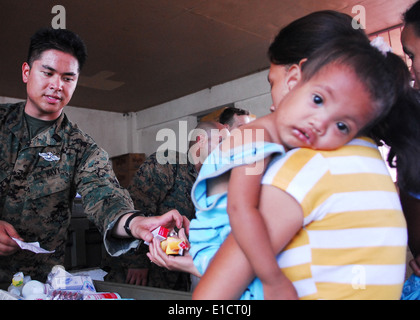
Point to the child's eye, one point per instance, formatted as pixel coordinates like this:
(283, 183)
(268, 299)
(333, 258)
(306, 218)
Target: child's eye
(342, 127)
(317, 99)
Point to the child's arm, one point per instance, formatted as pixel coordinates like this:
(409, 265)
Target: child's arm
(248, 226)
(230, 272)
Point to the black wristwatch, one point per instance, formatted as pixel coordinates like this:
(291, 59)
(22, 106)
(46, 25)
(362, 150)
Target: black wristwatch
(127, 222)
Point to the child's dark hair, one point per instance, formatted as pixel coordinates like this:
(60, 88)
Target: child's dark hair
(384, 75)
(302, 37)
(57, 39)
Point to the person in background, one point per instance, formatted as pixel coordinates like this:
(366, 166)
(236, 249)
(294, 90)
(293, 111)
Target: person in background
(234, 118)
(410, 39)
(403, 153)
(162, 183)
(45, 160)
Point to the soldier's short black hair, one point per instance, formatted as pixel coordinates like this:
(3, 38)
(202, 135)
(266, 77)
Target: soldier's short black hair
(58, 39)
(227, 116)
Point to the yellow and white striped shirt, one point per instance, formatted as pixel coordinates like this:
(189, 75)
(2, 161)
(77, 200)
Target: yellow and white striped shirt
(352, 244)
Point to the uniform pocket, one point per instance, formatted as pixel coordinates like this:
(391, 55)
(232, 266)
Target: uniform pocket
(45, 186)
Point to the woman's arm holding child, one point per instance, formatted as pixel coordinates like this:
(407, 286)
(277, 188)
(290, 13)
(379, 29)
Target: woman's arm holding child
(230, 272)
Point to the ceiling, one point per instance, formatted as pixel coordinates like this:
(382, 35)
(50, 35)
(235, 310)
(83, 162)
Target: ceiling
(146, 52)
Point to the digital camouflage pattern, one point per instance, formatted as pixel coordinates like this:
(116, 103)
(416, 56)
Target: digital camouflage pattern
(157, 188)
(39, 179)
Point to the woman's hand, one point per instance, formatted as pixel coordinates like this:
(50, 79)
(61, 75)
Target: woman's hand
(174, 263)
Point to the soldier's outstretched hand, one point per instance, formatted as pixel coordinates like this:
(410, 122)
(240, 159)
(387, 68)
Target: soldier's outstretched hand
(142, 227)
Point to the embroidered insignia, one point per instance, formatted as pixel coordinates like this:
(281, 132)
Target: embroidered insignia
(49, 156)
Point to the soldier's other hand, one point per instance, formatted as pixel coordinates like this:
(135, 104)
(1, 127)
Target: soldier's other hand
(7, 245)
(137, 276)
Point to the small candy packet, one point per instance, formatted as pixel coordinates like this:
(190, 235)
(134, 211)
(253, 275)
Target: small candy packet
(169, 241)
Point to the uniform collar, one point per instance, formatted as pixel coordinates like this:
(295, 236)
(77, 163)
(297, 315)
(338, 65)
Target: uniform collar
(17, 125)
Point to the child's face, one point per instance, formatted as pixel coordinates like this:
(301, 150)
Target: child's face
(325, 112)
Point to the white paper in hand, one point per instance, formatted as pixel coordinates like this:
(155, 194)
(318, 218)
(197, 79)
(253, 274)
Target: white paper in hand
(31, 246)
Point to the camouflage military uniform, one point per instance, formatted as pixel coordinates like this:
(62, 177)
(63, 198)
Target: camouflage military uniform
(39, 179)
(156, 189)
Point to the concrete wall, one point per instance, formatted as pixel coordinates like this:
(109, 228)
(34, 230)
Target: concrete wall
(251, 93)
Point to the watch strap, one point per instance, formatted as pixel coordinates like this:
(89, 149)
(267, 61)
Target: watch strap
(127, 222)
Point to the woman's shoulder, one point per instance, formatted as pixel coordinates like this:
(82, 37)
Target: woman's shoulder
(357, 147)
(303, 162)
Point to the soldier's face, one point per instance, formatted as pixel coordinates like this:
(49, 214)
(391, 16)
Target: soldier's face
(50, 84)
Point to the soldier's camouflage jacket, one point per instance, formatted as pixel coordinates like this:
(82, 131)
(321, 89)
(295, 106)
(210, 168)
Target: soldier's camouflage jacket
(39, 179)
(162, 183)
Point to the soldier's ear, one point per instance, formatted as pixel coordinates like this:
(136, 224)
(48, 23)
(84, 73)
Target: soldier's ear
(26, 69)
